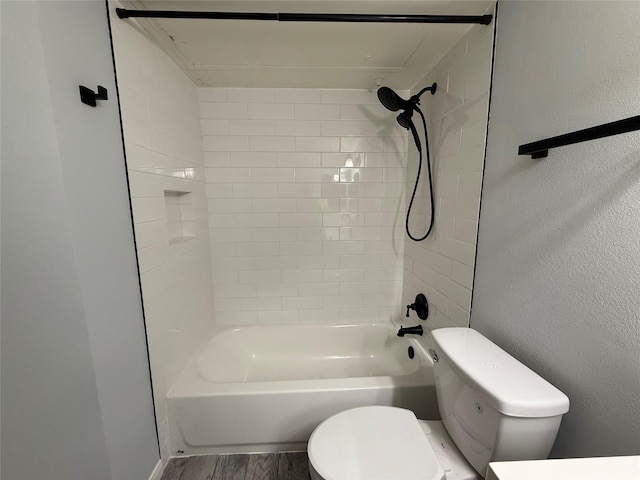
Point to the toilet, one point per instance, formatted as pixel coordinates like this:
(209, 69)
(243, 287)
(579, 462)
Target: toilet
(493, 408)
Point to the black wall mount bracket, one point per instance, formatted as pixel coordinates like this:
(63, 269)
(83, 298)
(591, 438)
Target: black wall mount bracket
(89, 97)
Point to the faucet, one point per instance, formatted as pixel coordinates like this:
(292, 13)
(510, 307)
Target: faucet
(417, 330)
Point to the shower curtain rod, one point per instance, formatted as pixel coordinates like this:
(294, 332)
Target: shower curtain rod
(308, 17)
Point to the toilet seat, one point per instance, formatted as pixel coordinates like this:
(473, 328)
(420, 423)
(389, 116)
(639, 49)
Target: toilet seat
(373, 443)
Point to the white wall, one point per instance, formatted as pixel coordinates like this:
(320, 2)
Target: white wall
(163, 143)
(558, 252)
(305, 193)
(76, 396)
(441, 266)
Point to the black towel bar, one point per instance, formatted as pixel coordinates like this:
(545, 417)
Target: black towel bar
(540, 149)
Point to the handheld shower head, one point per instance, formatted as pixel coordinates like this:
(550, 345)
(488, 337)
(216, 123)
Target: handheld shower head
(404, 120)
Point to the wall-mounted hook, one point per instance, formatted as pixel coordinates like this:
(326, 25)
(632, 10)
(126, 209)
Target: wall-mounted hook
(89, 97)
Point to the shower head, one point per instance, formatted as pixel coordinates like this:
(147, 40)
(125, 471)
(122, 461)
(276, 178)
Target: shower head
(395, 102)
(392, 101)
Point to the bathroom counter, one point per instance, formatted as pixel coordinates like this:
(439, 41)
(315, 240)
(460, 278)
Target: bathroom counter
(595, 468)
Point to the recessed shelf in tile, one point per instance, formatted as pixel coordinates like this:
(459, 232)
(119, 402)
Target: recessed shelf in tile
(180, 216)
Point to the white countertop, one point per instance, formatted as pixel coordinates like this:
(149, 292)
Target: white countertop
(595, 468)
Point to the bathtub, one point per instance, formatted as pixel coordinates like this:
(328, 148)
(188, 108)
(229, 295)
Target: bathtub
(265, 388)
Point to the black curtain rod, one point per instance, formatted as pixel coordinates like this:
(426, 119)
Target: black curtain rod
(307, 17)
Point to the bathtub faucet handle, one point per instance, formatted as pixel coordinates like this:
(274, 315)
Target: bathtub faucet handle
(420, 306)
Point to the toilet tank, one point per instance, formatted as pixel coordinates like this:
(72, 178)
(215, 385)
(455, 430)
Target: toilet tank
(493, 406)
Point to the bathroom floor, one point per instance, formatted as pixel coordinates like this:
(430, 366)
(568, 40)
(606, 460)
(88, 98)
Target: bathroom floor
(263, 466)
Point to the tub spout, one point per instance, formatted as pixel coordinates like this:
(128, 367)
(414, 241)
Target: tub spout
(417, 330)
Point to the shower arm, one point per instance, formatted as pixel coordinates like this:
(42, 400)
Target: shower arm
(416, 98)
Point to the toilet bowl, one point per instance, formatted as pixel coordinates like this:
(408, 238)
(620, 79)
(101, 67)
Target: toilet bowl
(390, 443)
(493, 408)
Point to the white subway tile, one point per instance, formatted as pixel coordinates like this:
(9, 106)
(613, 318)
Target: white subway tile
(214, 127)
(235, 291)
(257, 220)
(278, 317)
(455, 292)
(319, 262)
(223, 110)
(316, 175)
(236, 318)
(274, 205)
(273, 144)
(256, 249)
(343, 219)
(252, 159)
(360, 233)
(309, 289)
(302, 303)
(223, 249)
(359, 288)
(297, 95)
(217, 159)
(148, 209)
(229, 205)
(302, 248)
(330, 159)
(341, 247)
(273, 111)
(276, 262)
(357, 97)
(362, 112)
(255, 190)
(359, 315)
(466, 230)
(317, 204)
(259, 276)
(343, 128)
(361, 144)
(300, 219)
(277, 290)
(343, 189)
(219, 190)
(298, 128)
(325, 315)
(368, 175)
(260, 175)
(302, 276)
(462, 274)
(317, 112)
(250, 127)
(342, 301)
(222, 143)
(261, 303)
(303, 190)
(150, 233)
(298, 159)
(212, 94)
(317, 144)
(251, 95)
(312, 234)
(343, 275)
(232, 263)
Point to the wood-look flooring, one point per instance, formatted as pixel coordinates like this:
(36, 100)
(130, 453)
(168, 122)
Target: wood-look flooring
(267, 466)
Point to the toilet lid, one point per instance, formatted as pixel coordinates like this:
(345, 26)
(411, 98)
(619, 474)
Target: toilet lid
(373, 443)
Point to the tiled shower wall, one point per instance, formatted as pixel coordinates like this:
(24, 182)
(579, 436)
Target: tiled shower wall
(305, 192)
(160, 114)
(442, 266)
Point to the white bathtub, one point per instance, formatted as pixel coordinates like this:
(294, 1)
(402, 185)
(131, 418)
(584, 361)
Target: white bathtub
(260, 389)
